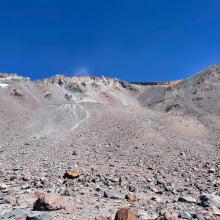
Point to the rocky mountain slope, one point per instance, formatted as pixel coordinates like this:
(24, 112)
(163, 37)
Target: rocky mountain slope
(197, 94)
(83, 147)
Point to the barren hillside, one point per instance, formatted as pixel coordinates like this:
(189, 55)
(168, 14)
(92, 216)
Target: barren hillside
(101, 144)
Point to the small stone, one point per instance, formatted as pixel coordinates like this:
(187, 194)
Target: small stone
(74, 153)
(13, 178)
(131, 198)
(156, 198)
(196, 215)
(125, 214)
(25, 178)
(114, 179)
(154, 189)
(211, 178)
(186, 199)
(48, 202)
(211, 170)
(28, 190)
(50, 189)
(113, 194)
(104, 180)
(186, 215)
(215, 210)
(25, 186)
(182, 154)
(131, 188)
(38, 216)
(16, 169)
(3, 186)
(149, 180)
(168, 215)
(71, 174)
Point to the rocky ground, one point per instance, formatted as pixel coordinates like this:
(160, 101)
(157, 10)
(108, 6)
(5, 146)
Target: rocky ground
(83, 148)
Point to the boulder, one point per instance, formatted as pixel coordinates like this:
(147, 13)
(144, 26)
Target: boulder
(125, 214)
(48, 202)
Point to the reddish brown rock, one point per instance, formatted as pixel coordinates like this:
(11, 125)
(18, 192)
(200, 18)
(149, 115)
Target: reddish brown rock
(48, 202)
(125, 214)
(71, 174)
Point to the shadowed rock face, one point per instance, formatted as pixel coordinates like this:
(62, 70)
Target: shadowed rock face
(134, 145)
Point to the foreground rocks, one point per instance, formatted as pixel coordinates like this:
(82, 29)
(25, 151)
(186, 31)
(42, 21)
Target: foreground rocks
(125, 214)
(23, 214)
(113, 189)
(48, 202)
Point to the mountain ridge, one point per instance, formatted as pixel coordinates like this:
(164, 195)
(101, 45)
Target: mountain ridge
(157, 144)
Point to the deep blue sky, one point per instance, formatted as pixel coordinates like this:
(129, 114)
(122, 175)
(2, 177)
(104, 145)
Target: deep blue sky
(135, 40)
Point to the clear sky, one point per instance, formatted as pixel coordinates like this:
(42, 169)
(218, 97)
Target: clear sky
(134, 40)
